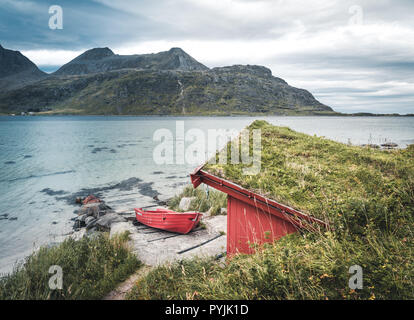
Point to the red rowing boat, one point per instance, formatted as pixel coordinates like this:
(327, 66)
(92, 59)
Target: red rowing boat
(169, 220)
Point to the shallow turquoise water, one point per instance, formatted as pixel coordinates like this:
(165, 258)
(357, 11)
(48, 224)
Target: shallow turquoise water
(66, 154)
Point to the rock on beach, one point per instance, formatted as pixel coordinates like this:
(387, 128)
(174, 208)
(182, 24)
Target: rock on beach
(185, 203)
(107, 220)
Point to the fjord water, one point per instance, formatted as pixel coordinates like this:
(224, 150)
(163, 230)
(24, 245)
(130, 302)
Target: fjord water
(45, 160)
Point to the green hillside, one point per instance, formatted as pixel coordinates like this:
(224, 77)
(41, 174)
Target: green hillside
(219, 91)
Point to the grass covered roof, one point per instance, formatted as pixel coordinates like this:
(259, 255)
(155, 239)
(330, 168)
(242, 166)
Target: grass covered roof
(329, 180)
(367, 196)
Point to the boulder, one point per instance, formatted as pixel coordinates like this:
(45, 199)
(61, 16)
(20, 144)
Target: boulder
(81, 218)
(88, 219)
(185, 203)
(223, 211)
(107, 220)
(92, 233)
(94, 209)
(90, 222)
(77, 225)
(89, 209)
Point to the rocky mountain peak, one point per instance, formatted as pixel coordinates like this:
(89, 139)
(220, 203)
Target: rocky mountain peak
(104, 60)
(181, 60)
(176, 50)
(16, 70)
(96, 54)
(167, 82)
(13, 62)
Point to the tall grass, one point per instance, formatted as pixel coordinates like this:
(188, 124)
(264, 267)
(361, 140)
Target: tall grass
(91, 268)
(204, 200)
(295, 267)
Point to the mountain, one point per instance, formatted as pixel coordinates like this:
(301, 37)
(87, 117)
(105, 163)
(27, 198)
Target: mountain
(16, 70)
(167, 83)
(104, 60)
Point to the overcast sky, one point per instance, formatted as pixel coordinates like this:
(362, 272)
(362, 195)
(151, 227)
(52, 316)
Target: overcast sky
(355, 56)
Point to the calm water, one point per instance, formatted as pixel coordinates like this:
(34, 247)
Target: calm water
(67, 154)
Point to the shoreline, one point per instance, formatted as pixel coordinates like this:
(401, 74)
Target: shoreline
(141, 190)
(146, 243)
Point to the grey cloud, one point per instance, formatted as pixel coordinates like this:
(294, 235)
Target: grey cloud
(344, 69)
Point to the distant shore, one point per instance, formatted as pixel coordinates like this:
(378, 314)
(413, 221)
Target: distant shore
(336, 114)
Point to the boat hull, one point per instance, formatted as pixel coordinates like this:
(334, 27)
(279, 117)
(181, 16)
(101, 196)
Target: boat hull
(169, 220)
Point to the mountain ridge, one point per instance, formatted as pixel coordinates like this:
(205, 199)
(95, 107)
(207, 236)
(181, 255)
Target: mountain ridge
(166, 83)
(103, 60)
(16, 70)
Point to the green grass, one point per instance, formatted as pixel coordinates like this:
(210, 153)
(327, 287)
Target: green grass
(213, 202)
(347, 186)
(91, 269)
(295, 267)
(366, 195)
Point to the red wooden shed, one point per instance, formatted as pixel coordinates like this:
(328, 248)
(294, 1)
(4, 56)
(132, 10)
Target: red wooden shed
(252, 218)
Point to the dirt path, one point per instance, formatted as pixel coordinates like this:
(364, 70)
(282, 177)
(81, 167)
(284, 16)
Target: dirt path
(121, 291)
(154, 247)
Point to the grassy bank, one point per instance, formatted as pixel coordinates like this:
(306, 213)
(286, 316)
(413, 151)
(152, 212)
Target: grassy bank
(91, 268)
(350, 187)
(296, 267)
(366, 195)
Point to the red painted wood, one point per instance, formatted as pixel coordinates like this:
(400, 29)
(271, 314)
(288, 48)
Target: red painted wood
(252, 218)
(294, 216)
(169, 220)
(248, 225)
